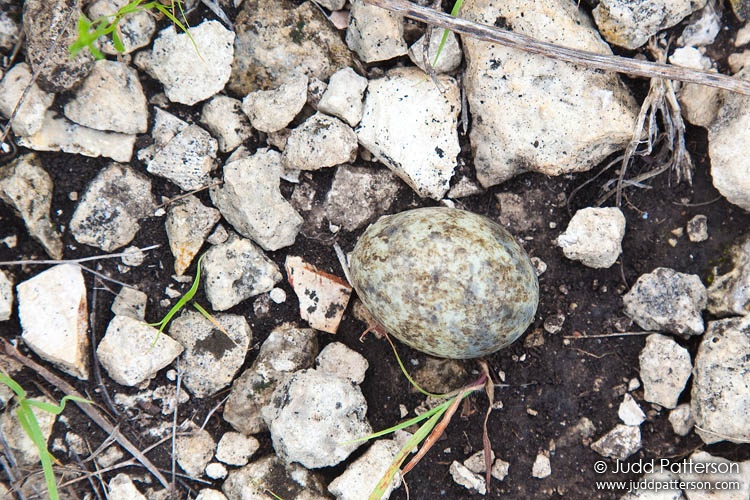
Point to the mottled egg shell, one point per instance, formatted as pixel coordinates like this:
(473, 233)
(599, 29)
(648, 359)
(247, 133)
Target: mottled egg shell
(447, 282)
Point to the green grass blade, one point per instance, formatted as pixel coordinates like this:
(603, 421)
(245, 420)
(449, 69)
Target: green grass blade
(117, 41)
(444, 38)
(403, 425)
(406, 373)
(30, 425)
(53, 408)
(14, 386)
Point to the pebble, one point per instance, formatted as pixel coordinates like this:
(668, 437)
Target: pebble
(682, 419)
(252, 480)
(6, 296)
(323, 297)
(53, 312)
(194, 451)
(450, 55)
(541, 467)
(10, 27)
(110, 98)
(267, 217)
(594, 237)
(235, 271)
(27, 187)
(702, 28)
(375, 34)
(224, 118)
(729, 294)
(135, 29)
(362, 476)
(130, 302)
(464, 187)
(553, 324)
(630, 412)
(133, 256)
(57, 133)
(697, 229)
(343, 96)
(420, 141)
(23, 448)
(721, 383)
(619, 443)
(277, 295)
(108, 213)
(286, 350)
(188, 224)
(307, 410)
(128, 353)
(668, 301)
(30, 115)
(214, 470)
(320, 141)
(630, 24)
(272, 110)
(337, 359)
(475, 463)
(236, 449)
(121, 487)
(469, 480)
(166, 126)
(189, 76)
(665, 368)
(187, 159)
(522, 120)
(211, 357)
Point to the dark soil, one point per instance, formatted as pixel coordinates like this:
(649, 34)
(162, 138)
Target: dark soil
(550, 385)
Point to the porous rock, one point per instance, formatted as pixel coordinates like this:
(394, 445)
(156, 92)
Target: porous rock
(130, 302)
(187, 159)
(270, 473)
(188, 224)
(339, 360)
(343, 96)
(665, 369)
(194, 451)
(726, 470)
(729, 294)
(681, 419)
(135, 29)
(374, 33)
(30, 116)
(235, 448)
(320, 141)
(272, 110)
(594, 236)
(619, 443)
(466, 478)
(361, 476)
(223, 117)
(450, 55)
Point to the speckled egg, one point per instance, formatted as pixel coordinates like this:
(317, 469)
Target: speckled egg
(447, 282)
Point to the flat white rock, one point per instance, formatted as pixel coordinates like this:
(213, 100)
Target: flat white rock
(410, 126)
(187, 159)
(343, 96)
(665, 368)
(194, 451)
(53, 311)
(541, 467)
(320, 141)
(450, 55)
(375, 34)
(224, 118)
(130, 302)
(121, 487)
(188, 224)
(272, 110)
(630, 412)
(594, 236)
(337, 359)
(361, 476)
(466, 478)
(619, 443)
(30, 115)
(236, 449)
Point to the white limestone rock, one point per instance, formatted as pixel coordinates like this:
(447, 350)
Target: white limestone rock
(703, 26)
(542, 467)
(450, 56)
(27, 188)
(523, 119)
(53, 311)
(619, 443)
(667, 301)
(339, 360)
(720, 399)
(166, 126)
(236, 449)
(466, 478)
(254, 480)
(121, 487)
(682, 419)
(237, 270)
(30, 115)
(211, 357)
(189, 76)
(6, 296)
(375, 34)
(410, 126)
(313, 417)
(188, 224)
(187, 159)
(665, 368)
(135, 29)
(130, 302)
(343, 96)
(361, 476)
(60, 134)
(630, 24)
(272, 110)
(630, 412)
(111, 99)
(729, 294)
(697, 229)
(266, 217)
(107, 215)
(594, 236)
(224, 118)
(10, 25)
(194, 451)
(320, 141)
(24, 450)
(286, 350)
(129, 354)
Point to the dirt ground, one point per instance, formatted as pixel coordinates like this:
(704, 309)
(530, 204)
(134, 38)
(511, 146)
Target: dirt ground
(551, 382)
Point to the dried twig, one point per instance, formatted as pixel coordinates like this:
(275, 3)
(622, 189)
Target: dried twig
(526, 43)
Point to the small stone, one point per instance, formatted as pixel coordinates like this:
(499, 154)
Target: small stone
(321, 141)
(541, 467)
(362, 476)
(633, 384)
(339, 360)
(214, 470)
(194, 451)
(24, 450)
(464, 187)
(166, 126)
(450, 53)
(411, 128)
(135, 29)
(630, 412)
(313, 418)
(272, 110)
(553, 324)
(252, 481)
(697, 229)
(53, 312)
(121, 487)
(375, 34)
(6, 296)
(10, 26)
(219, 236)
(668, 301)
(133, 256)
(188, 224)
(469, 480)
(539, 265)
(187, 159)
(594, 236)
(702, 28)
(189, 76)
(277, 295)
(500, 469)
(619, 443)
(475, 463)
(27, 188)
(358, 195)
(682, 419)
(30, 115)
(110, 98)
(129, 354)
(721, 383)
(729, 294)
(130, 302)
(236, 449)
(323, 297)
(107, 215)
(343, 96)
(224, 118)
(665, 369)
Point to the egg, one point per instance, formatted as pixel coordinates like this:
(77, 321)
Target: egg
(447, 282)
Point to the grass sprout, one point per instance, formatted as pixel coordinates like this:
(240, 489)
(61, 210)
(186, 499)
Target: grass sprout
(454, 12)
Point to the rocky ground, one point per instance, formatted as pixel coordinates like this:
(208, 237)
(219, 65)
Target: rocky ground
(282, 128)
